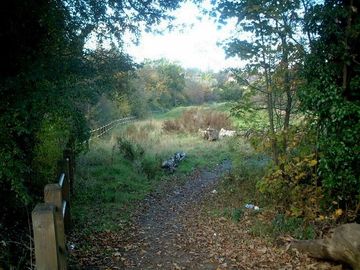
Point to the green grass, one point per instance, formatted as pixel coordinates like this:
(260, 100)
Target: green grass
(106, 186)
(109, 186)
(282, 225)
(176, 112)
(256, 120)
(221, 107)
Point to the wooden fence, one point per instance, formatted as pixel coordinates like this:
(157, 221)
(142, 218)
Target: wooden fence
(51, 220)
(98, 132)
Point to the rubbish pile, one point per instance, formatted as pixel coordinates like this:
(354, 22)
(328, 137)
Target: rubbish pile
(251, 206)
(171, 163)
(226, 133)
(212, 134)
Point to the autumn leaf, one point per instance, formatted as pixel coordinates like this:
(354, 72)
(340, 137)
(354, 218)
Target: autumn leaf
(313, 162)
(338, 212)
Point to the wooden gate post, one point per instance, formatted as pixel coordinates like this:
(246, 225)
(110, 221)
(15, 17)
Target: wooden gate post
(53, 195)
(45, 240)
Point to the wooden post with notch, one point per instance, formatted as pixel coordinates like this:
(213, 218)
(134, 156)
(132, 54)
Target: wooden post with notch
(45, 240)
(53, 195)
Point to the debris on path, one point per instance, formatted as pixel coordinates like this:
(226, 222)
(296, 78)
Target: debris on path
(251, 206)
(171, 163)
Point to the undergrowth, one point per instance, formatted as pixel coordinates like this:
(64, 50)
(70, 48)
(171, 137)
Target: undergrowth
(240, 188)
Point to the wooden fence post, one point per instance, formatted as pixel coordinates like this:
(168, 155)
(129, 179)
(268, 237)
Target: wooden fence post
(64, 183)
(45, 240)
(53, 195)
(69, 155)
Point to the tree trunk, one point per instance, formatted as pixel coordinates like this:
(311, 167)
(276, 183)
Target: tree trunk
(342, 244)
(274, 145)
(270, 105)
(345, 75)
(287, 86)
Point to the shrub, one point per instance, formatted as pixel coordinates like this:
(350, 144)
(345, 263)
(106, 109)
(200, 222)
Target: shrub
(150, 166)
(129, 150)
(293, 186)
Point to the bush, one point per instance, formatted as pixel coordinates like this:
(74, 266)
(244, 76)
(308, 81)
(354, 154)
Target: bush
(293, 187)
(130, 150)
(51, 142)
(150, 166)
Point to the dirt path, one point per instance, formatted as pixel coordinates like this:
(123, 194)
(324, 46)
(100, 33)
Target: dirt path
(161, 226)
(174, 230)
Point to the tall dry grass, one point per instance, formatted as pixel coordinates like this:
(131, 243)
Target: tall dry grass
(194, 119)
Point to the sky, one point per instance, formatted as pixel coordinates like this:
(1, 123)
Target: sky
(191, 47)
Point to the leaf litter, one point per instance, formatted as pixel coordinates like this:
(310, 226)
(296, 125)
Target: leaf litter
(173, 229)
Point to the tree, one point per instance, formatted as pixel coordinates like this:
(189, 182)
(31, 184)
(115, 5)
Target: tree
(161, 83)
(268, 42)
(228, 89)
(331, 95)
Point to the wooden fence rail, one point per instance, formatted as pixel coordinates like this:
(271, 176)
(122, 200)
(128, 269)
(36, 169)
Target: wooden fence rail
(98, 132)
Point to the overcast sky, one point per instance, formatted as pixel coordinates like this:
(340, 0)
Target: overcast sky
(192, 47)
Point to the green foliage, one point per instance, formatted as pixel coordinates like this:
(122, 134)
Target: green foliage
(52, 139)
(202, 87)
(161, 85)
(331, 95)
(106, 110)
(270, 43)
(129, 150)
(329, 84)
(296, 227)
(230, 91)
(236, 215)
(293, 187)
(157, 85)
